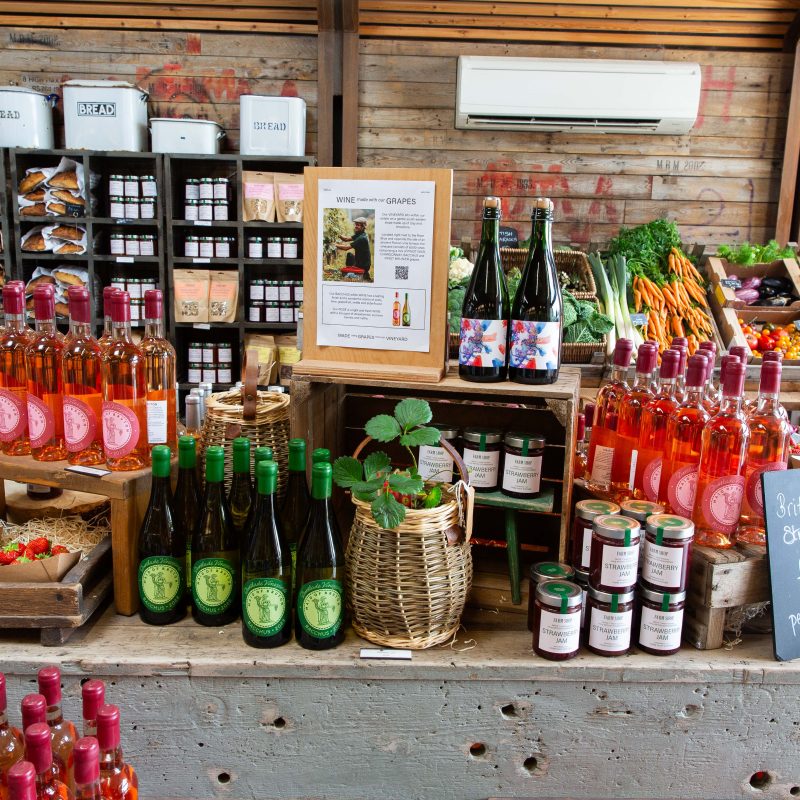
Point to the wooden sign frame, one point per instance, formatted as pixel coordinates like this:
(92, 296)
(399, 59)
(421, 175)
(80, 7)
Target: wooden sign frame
(332, 361)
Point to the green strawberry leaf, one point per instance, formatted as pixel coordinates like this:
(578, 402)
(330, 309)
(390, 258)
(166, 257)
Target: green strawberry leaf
(420, 436)
(387, 512)
(383, 428)
(412, 412)
(405, 484)
(376, 464)
(347, 471)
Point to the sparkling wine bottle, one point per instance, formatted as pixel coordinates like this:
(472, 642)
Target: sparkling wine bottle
(295, 508)
(83, 388)
(768, 449)
(604, 429)
(720, 481)
(108, 328)
(162, 550)
(12, 746)
(320, 455)
(406, 313)
(215, 551)
(240, 496)
(653, 430)
(536, 313)
(623, 467)
(63, 731)
(483, 349)
(39, 753)
(117, 778)
(186, 500)
(159, 359)
(261, 454)
(320, 570)
(46, 381)
(93, 695)
(124, 394)
(684, 433)
(266, 569)
(14, 340)
(87, 769)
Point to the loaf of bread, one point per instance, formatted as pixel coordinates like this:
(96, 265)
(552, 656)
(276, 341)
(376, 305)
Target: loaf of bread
(68, 232)
(36, 196)
(59, 209)
(36, 210)
(68, 277)
(64, 180)
(62, 310)
(68, 197)
(42, 279)
(35, 244)
(70, 247)
(31, 181)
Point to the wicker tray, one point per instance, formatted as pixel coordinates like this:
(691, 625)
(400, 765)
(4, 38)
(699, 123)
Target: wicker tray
(573, 262)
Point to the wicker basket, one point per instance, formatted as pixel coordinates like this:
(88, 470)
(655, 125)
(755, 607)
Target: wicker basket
(261, 417)
(573, 262)
(407, 587)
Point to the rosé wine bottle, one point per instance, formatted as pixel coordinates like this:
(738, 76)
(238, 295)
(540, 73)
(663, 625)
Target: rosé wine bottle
(108, 331)
(117, 779)
(83, 397)
(652, 433)
(12, 745)
(34, 710)
(87, 769)
(14, 340)
(159, 357)
(750, 405)
(39, 753)
(768, 449)
(720, 481)
(21, 781)
(63, 731)
(604, 429)
(712, 406)
(681, 344)
(712, 394)
(93, 694)
(580, 445)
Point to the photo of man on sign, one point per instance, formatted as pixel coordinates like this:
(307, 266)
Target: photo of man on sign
(348, 243)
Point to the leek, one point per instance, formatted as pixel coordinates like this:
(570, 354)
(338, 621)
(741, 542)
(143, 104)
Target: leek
(605, 298)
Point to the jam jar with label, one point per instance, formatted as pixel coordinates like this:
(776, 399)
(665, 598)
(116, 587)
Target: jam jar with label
(482, 456)
(586, 511)
(667, 549)
(544, 571)
(557, 620)
(640, 510)
(660, 621)
(609, 622)
(522, 466)
(435, 464)
(614, 562)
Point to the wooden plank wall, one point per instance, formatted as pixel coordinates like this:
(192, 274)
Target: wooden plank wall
(200, 75)
(720, 182)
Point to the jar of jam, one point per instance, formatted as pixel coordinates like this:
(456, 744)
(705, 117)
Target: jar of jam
(206, 247)
(192, 189)
(255, 247)
(205, 210)
(285, 313)
(289, 248)
(116, 185)
(298, 291)
(224, 372)
(582, 579)
(609, 622)
(222, 247)
(116, 207)
(220, 209)
(544, 571)
(220, 189)
(133, 246)
(614, 561)
(225, 353)
(131, 186)
(131, 207)
(482, 456)
(117, 242)
(586, 511)
(191, 210)
(522, 467)
(147, 208)
(191, 247)
(256, 311)
(206, 188)
(557, 620)
(149, 187)
(147, 244)
(284, 291)
(195, 373)
(274, 247)
(660, 622)
(271, 312)
(667, 552)
(435, 464)
(195, 353)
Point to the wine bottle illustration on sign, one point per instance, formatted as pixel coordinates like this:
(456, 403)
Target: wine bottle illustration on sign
(396, 310)
(406, 313)
(483, 347)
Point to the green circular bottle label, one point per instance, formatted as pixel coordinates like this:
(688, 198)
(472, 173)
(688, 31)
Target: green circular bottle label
(264, 605)
(161, 583)
(212, 585)
(320, 607)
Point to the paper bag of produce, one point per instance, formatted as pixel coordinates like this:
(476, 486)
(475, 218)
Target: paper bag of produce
(258, 196)
(264, 345)
(289, 191)
(223, 296)
(191, 295)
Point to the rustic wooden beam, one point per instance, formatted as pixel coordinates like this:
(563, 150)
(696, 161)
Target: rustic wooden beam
(326, 60)
(791, 154)
(350, 58)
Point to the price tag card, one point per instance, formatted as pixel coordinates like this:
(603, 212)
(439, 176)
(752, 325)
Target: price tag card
(206, 223)
(639, 319)
(393, 655)
(509, 237)
(96, 472)
(125, 259)
(202, 326)
(201, 260)
(731, 283)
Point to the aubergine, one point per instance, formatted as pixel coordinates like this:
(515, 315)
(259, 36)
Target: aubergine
(779, 284)
(765, 292)
(778, 300)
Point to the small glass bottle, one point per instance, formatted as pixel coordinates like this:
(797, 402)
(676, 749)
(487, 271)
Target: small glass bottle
(87, 769)
(660, 621)
(482, 450)
(586, 512)
(544, 571)
(615, 554)
(117, 778)
(557, 620)
(14, 340)
(93, 695)
(609, 622)
(38, 752)
(19, 783)
(713, 405)
(63, 732)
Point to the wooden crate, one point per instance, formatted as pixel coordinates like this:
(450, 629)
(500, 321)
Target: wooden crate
(721, 580)
(59, 608)
(719, 269)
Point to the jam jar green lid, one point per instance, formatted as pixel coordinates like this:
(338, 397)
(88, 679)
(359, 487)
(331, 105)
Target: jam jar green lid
(591, 509)
(640, 510)
(669, 526)
(616, 527)
(550, 570)
(559, 594)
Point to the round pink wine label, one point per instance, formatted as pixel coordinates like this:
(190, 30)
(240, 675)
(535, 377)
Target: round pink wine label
(13, 416)
(681, 490)
(41, 425)
(80, 424)
(651, 479)
(753, 490)
(120, 430)
(722, 503)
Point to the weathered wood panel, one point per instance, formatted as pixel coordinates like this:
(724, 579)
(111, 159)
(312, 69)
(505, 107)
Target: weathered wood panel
(187, 74)
(720, 182)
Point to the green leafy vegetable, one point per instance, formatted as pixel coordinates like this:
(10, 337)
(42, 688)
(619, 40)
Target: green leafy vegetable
(412, 412)
(383, 428)
(747, 253)
(582, 321)
(646, 248)
(387, 512)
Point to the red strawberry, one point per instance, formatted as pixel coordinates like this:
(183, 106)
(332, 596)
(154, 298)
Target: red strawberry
(29, 553)
(7, 558)
(17, 549)
(58, 549)
(40, 545)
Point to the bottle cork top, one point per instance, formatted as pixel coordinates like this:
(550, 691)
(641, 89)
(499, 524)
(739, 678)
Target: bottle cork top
(543, 202)
(588, 414)
(771, 377)
(79, 306)
(121, 307)
(22, 781)
(491, 202)
(734, 379)
(50, 684)
(14, 298)
(622, 352)
(34, 709)
(108, 723)
(93, 693)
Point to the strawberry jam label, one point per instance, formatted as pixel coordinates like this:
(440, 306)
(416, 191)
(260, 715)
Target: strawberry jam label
(120, 430)
(41, 424)
(754, 492)
(651, 479)
(80, 424)
(681, 489)
(722, 503)
(13, 416)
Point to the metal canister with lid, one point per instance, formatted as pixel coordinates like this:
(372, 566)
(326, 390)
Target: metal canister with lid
(435, 464)
(544, 571)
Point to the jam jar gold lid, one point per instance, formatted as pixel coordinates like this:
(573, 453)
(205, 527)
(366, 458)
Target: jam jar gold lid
(616, 527)
(591, 509)
(640, 510)
(670, 526)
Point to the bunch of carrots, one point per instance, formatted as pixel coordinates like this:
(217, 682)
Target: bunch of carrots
(678, 308)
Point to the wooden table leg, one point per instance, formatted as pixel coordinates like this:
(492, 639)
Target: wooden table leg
(2, 498)
(512, 546)
(125, 523)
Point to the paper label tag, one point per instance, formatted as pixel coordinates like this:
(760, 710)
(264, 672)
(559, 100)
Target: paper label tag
(651, 478)
(483, 467)
(722, 503)
(205, 223)
(661, 630)
(13, 414)
(260, 191)
(483, 342)
(586, 552)
(681, 490)
(755, 494)
(120, 429)
(393, 655)
(609, 631)
(80, 424)
(559, 633)
(601, 466)
(156, 421)
(435, 464)
(265, 605)
(534, 345)
(124, 259)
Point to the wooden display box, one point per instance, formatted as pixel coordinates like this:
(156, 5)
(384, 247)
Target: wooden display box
(719, 269)
(731, 330)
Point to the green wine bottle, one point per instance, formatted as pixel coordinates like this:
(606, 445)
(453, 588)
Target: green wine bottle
(266, 568)
(215, 551)
(186, 501)
(162, 550)
(294, 511)
(261, 454)
(320, 570)
(240, 496)
(321, 455)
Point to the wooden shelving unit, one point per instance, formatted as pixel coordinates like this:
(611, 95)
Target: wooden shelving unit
(7, 252)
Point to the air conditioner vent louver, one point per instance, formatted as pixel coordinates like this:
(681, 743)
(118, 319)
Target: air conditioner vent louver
(560, 123)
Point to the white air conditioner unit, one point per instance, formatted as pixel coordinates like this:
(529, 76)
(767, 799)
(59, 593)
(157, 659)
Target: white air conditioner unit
(564, 94)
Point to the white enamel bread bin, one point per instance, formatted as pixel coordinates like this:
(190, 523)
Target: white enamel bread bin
(272, 126)
(185, 136)
(105, 115)
(26, 118)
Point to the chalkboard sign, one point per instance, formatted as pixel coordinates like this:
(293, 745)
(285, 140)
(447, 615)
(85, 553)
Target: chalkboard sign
(781, 490)
(731, 283)
(509, 237)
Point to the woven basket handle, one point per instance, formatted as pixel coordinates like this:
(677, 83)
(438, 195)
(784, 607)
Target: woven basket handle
(250, 388)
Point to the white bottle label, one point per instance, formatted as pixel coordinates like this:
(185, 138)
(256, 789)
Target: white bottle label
(586, 552)
(609, 631)
(483, 467)
(522, 474)
(601, 466)
(156, 421)
(559, 633)
(619, 566)
(632, 473)
(661, 630)
(662, 565)
(435, 464)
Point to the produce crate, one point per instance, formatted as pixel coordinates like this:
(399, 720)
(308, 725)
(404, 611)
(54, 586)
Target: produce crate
(721, 581)
(719, 270)
(731, 329)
